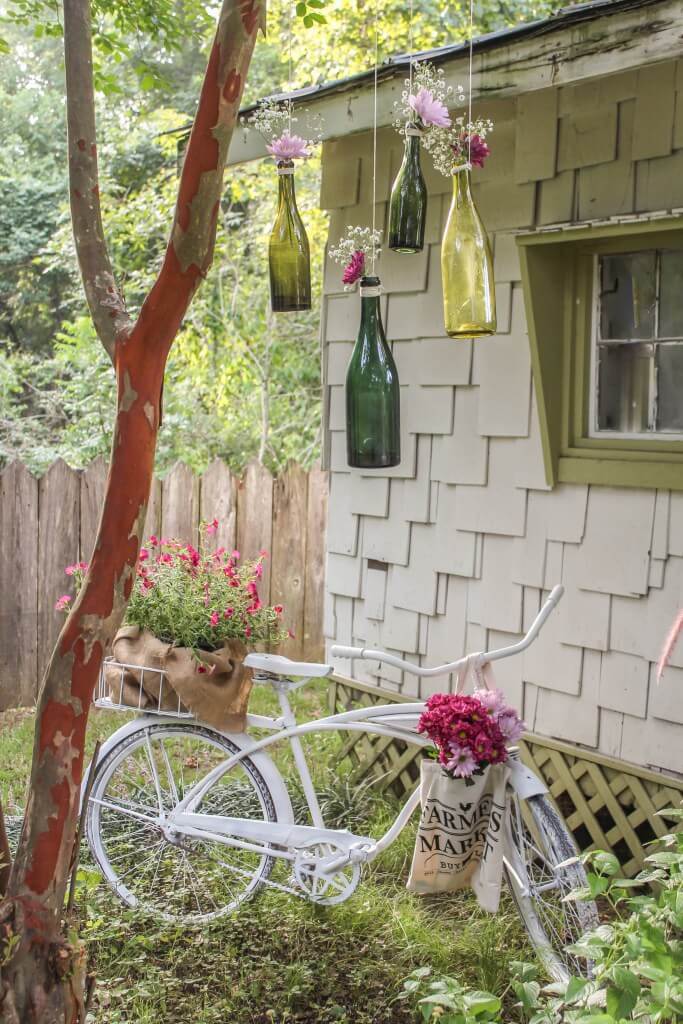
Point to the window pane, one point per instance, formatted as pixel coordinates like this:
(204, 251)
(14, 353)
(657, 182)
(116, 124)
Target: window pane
(671, 295)
(627, 307)
(624, 387)
(670, 387)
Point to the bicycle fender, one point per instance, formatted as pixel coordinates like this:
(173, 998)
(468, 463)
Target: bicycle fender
(523, 780)
(260, 759)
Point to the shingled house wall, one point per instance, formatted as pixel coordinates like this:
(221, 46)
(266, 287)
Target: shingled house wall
(455, 549)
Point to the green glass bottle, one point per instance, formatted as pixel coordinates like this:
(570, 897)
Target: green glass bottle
(373, 403)
(469, 295)
(288, 252)
(408, 205)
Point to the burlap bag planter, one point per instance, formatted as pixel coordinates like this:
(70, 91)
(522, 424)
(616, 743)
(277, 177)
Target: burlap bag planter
(218, 697)
(460, 837)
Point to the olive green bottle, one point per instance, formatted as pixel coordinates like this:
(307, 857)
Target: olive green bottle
(288, 252)
(373, 405)
(469, 295)
(408, 205)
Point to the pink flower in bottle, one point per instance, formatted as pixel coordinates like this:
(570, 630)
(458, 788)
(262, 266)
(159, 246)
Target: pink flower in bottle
(429, 110)
(289, 147)
(354, 268)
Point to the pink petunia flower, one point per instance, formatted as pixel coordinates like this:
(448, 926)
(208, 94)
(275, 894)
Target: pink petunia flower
(154, 541)
(277, 609)
(354, 268)
(288, 147)
(235, 556)
(228, 613)
(212, 526)
(144, 554)
(63, 602)
(213, 618)
(429, 110)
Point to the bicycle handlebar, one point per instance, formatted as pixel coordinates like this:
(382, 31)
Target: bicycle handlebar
(341, 651)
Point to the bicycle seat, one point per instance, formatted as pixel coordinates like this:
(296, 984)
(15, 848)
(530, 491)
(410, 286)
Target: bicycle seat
(278, 665)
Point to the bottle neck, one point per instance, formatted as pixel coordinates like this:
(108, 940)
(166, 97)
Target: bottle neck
(370, 315)
(286, 195)
(412, 150)
(461, 187)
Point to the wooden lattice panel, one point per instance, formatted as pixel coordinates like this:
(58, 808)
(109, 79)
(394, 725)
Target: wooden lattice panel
(607, 804)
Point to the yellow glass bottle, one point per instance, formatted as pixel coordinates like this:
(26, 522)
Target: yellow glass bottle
(469, 297)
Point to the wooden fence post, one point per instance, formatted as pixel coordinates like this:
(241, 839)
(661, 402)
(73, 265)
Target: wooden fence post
(290, 499)
(180, 504)
(316, 551)
(218, 500)
(19, 582)
(58, 546)
(93, 482)
(255, 519)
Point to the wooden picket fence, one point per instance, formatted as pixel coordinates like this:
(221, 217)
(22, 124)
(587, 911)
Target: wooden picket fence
(49, 522)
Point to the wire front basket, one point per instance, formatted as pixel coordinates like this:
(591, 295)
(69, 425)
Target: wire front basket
(125, 687)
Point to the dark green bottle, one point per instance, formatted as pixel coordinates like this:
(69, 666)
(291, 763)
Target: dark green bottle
(288, 253)
(408, 206)
(373, 404)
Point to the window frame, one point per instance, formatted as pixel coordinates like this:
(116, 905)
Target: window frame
(558, 278)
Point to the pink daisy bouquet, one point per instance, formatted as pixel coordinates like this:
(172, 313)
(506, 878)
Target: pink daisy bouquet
(354, 251)
(196, 597)
(470, 732)
(275, 122)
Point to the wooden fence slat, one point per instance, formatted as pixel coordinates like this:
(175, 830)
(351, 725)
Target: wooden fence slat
(153, 518)
(93, 484)
(290, 501)
(218, 500)
(255, 519)
(58, 546)
(314, 584)
(180, 504)
(19, 586)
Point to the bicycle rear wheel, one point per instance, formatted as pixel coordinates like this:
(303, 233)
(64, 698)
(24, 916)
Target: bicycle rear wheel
(175, 877)
(542, 842)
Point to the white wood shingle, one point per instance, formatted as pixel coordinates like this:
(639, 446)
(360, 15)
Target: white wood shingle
(462, 457)
(342, 525)
(624, 683)
(614, 557)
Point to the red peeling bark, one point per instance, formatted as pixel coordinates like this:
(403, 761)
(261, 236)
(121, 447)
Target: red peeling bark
(43, 973)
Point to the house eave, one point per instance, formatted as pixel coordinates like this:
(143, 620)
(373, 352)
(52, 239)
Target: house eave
(578, 43)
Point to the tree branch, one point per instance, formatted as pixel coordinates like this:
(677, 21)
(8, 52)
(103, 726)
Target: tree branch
(105, 300)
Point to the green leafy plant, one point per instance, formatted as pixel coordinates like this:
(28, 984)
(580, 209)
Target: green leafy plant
(447, 1001)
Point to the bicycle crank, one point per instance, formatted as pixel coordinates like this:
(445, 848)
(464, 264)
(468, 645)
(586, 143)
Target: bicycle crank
(319, 886)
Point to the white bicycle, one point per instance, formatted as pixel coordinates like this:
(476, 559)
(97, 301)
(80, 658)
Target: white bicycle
(188, 823)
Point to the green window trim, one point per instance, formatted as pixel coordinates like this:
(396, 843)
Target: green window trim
(558, 282)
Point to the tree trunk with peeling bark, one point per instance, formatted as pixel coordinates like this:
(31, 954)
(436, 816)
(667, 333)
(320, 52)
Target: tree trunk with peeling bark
(43, 962)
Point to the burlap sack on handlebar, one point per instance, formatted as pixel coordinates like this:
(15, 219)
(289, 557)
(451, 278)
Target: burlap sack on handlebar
(219, 695)
(459, 842)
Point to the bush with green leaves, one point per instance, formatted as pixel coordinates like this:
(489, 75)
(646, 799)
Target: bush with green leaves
(635, 957)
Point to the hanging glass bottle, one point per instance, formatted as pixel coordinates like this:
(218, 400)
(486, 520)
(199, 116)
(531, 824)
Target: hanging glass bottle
(288, 252)
(373, 431)
(408, 206)
(469, 296)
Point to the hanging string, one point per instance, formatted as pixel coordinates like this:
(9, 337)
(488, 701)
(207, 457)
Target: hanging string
(374, 140)
(290, 83)
(411, 47)
(469, 91)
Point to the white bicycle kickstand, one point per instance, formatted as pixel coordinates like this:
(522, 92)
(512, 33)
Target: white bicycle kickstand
(187, 822)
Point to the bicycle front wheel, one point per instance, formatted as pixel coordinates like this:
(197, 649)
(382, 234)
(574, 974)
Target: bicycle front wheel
(542, 842)
(175, 877)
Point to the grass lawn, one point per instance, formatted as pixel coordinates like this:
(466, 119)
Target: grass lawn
(281, 959)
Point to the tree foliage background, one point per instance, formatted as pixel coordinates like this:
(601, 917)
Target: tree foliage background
(240, 382)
